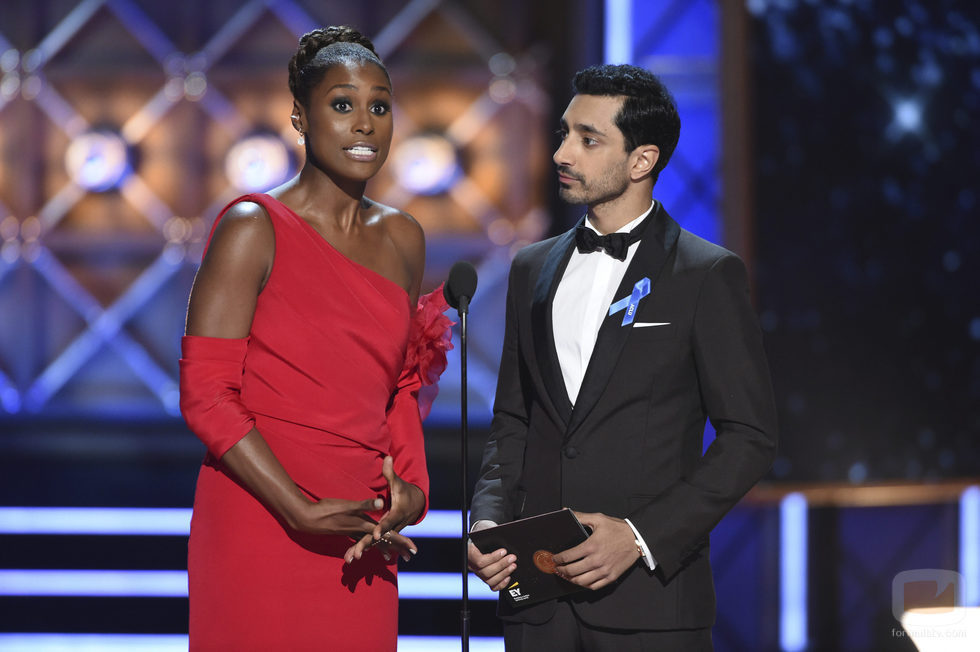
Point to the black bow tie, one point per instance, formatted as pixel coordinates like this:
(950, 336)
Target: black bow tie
(614, 244)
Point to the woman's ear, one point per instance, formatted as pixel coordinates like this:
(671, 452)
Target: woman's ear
(644, 159)
(298, 117)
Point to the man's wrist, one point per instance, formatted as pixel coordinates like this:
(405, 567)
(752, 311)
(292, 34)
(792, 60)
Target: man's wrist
(482, 524)
(641, 547)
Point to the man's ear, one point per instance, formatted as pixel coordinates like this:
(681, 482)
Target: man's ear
(642, 161)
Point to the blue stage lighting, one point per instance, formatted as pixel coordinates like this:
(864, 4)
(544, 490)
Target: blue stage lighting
(908, 115)
(618, 41)
(257, 163)
(426, 164)
(970, 545)
(99, 583)
(173, 584)
(792, 573)
(99, 160)
(134, 521)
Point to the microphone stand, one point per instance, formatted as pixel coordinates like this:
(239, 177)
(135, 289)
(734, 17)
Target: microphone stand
(463, 310)
(458, 291)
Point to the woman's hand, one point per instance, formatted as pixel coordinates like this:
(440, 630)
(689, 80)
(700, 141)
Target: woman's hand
(255, 465)
(407, 503)
(337, 516)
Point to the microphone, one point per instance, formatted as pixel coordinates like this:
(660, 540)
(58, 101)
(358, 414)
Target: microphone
(461, 286)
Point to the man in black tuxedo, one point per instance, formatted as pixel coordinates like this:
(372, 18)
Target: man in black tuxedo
(617, 348)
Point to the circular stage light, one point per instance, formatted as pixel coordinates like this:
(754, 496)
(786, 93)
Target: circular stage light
(257, 163)
(98, 160)
(426, 164)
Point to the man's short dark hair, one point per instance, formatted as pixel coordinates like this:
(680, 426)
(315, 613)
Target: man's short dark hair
(648, 115)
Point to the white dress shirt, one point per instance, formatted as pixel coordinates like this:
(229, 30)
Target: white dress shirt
(582, 301)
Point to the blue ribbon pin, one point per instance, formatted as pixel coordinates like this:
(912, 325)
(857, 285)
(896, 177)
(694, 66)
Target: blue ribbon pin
(640, 290)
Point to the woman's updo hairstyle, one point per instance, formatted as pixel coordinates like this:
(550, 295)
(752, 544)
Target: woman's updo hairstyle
(322, 48)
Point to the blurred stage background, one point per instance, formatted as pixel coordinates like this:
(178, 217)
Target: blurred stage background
(831, 144)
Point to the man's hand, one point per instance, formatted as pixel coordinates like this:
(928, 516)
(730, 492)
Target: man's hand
(603, 557)
(494, 568)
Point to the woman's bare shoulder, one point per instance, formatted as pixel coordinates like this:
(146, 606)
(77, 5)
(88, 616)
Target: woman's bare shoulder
(401, 227)
(234, 271)
(244, 241)
(394, 218)
(245, 219)
(245, 229)
(408, 239)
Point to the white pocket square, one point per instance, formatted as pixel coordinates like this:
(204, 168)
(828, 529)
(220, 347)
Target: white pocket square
(645, 324)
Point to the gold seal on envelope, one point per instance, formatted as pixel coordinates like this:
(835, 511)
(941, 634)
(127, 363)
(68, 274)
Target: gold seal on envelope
(544, 561)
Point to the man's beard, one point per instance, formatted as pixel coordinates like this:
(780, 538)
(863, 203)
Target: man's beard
(610, 186)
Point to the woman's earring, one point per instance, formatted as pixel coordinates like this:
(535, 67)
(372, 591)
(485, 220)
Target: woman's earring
(301, 140)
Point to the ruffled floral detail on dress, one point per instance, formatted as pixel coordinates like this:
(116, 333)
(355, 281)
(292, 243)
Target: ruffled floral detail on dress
(429, 339)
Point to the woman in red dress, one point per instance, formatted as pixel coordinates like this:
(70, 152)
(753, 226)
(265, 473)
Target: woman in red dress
(306, 346)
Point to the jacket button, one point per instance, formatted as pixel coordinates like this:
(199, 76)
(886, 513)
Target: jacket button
(571, 452)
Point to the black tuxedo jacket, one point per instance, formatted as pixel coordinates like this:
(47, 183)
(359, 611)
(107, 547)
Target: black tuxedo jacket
(632, 444)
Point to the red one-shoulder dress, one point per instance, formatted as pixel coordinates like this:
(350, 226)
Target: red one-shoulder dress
(330, 376)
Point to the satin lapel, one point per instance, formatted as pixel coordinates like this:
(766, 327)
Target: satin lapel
(541, 324)
(648, 261)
